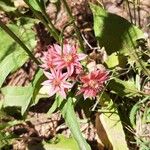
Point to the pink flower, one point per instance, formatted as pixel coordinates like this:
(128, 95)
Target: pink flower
(47, 59)
(67, 58)
(57, 82)
(93, 83)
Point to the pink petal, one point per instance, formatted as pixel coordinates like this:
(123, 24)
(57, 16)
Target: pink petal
(67, 85)
(48, 75)
(70, 69)
(82, 56)
(62, 93)
(47, 82)
(85, 79)
(67, 48)
(85, 96)
(64, 76)
(53, 71)
(52, 92)
(58, 48)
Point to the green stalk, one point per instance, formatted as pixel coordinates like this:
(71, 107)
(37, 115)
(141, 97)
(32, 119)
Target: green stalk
(47, 17)
(37, 14)
(17, 39)
(75, 27)
(71, 120)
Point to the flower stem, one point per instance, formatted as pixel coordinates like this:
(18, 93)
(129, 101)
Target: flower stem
(17, 39)
(47, 18)
(75, 27)
(69, 115)
(38, 15)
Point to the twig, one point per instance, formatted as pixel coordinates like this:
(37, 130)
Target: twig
(130, 14)
(75, 27)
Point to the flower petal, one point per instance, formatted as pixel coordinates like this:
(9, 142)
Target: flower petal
(82, 56)
(62, 93)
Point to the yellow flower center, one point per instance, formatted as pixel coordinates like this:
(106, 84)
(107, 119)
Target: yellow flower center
(68, 58)
(93, 84)
(56, 82)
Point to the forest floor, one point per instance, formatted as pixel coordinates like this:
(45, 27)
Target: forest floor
(39, 126)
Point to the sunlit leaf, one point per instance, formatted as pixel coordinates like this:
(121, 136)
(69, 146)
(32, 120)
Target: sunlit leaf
(17, 96)
(114, 60)
(12, 56)
(11, 62)
(114, 32)
(7, 5)
(109, 126)
(123, 88)
(37, 5)
(59, 143)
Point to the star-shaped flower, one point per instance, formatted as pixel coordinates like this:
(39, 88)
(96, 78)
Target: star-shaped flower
(57, 82)
(93, 83)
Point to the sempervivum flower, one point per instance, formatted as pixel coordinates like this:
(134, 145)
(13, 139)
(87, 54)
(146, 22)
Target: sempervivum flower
(57, 82)
(67, 58)
(93, 83)
(47, 59)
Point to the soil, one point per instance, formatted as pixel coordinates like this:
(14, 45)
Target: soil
(40, 126)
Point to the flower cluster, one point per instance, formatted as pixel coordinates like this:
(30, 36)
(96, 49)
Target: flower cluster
(62, 66)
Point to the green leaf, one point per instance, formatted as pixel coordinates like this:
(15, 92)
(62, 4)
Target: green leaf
(109, 126)
(38, 79)
(71, 120)
(10, 63)
(17, 96)
(114, 32)
(5, 140)
(123, 88)
(10, 124)
(24, 96)
(114, 60)
(7, 6)
(58, 101)
(58, 143)
(136, 108)
(12, 56)
(37, 5)
(62, 143)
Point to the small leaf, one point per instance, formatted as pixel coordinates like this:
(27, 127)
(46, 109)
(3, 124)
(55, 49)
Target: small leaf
(17, 96)
(7, 6)
(114, 60)
(61, 143)
(58, 101)
(37, 5)
(123, 88)
(58, 143)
